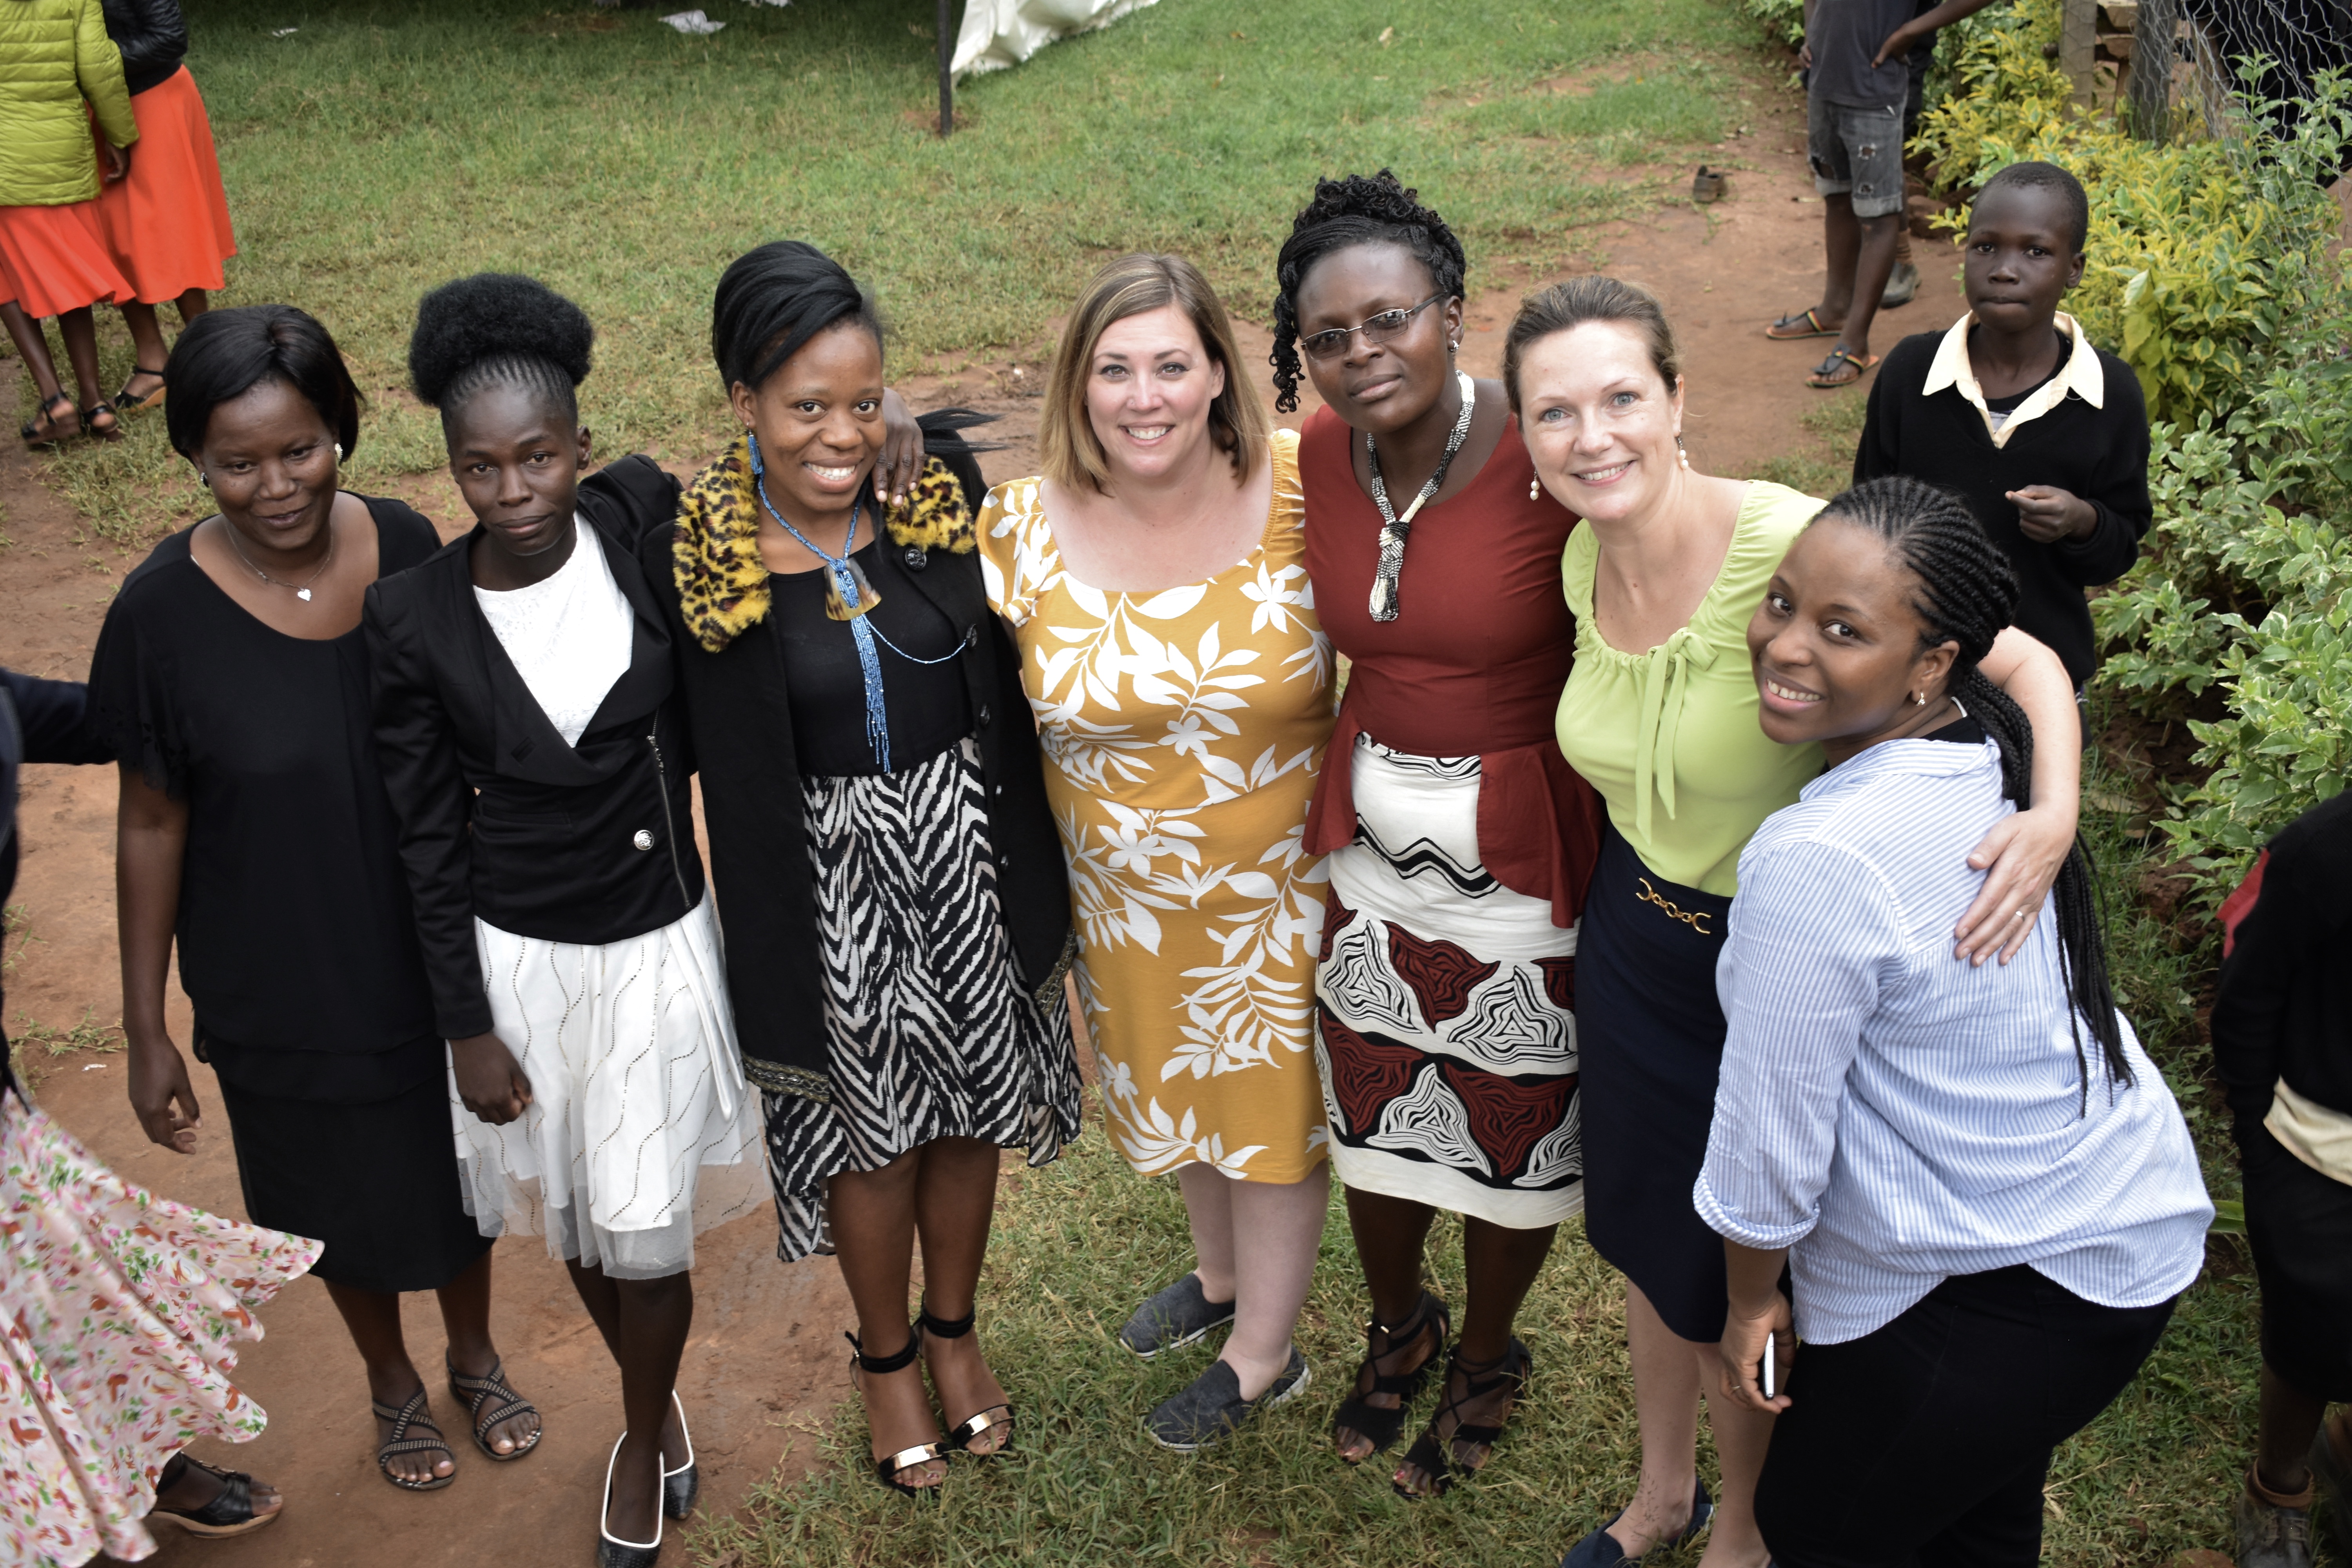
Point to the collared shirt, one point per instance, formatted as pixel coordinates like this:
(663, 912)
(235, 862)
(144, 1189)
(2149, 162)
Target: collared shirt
(1895, 1115)
(2080, 375)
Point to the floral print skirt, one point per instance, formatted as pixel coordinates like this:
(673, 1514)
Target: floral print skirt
(119, 1312)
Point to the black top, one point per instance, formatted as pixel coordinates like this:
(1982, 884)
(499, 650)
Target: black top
(1844, 35)
(2099, 454)
(1964, 731)
(40, 721)
(152, 36)
(2285, 1005)
(926, 705)
(739, 704)
(294, 927)
(588, 844)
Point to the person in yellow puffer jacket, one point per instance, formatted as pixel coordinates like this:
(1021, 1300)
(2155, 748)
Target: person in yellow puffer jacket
(54, 55)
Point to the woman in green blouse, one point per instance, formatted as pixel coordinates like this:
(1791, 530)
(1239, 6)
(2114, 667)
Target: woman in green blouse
(1660, 716)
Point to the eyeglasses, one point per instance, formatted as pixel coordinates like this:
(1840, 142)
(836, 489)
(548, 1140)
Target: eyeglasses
(1377, 328)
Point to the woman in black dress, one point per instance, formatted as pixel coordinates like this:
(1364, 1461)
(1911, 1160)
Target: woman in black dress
(232, 679)
(914, 907)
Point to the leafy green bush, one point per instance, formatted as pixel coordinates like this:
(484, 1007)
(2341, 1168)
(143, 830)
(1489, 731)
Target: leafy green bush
(2211, 275)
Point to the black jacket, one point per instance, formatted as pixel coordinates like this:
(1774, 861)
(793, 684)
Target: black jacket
(2099, 454)
(40, 721)
(588, 845)
(741, 721)
(2285, 1005)
(152, 35)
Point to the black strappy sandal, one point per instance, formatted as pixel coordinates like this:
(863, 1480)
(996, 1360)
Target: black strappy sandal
(110, 431)
(1384, 1426)
(49, 434)
(126, 404)
(889, 1469)
(962, 1434)
(229, 1513)
(1433, 1453)
(414, 1416)
(474, 1392)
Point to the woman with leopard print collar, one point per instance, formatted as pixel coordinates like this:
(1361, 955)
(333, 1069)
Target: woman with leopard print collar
(879, 838)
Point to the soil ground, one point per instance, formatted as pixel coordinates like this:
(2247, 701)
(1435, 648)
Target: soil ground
(766, 1363)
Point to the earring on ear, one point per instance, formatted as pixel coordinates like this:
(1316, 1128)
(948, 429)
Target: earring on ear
(203, 478)
(1681, 453)
(339, 451)
(1534, 488)
(1919, 699)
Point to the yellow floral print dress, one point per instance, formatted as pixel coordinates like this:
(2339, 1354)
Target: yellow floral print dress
(1183, 732)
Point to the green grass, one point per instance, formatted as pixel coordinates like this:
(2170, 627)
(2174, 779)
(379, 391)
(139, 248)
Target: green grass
(382, 149)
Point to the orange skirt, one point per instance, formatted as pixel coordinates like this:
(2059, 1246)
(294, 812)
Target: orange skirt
(166, 225)
(54, 260)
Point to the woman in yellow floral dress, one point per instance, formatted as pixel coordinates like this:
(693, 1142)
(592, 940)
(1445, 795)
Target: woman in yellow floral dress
(1182, 689)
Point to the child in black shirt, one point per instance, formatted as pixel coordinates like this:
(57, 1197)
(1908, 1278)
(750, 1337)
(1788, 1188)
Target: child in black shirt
(2043, 436)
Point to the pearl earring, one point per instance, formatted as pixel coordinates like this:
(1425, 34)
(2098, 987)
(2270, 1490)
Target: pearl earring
(339, 451)
(1919, 699)
(1534, 488)
(1682, 454)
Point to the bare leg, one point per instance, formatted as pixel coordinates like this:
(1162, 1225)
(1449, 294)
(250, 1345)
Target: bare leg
(373, 1319)
(644, 1323)
(147, 351)
(34, 349)
(80, 330)
(955, 1200)
(192, 303)
(1391, 1235)
(2290, 1419)
(1501, 1264)
(873, 1215)
(1665, 1401)
(1840, 248)
(1875, 262)
(1741, 1438)
(1209, 1208)
(1278, 1230)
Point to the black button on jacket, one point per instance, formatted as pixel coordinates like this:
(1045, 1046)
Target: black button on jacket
(498, 817)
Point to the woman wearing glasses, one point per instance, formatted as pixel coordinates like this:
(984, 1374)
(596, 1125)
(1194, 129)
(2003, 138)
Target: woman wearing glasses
(1459, 840)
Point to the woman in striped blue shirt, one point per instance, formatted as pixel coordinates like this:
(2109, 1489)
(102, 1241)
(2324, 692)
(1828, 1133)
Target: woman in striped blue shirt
(1981, 1189)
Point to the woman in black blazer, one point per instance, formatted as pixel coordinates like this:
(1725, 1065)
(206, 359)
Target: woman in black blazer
(897, 914)
(540, 773)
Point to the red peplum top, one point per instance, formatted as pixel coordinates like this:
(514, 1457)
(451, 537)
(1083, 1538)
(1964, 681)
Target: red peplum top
(1472, 664)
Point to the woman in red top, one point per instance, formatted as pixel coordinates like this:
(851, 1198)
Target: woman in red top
(1459, 840)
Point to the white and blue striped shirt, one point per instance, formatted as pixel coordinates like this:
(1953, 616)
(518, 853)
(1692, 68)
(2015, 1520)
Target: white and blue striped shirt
(1895, 1115)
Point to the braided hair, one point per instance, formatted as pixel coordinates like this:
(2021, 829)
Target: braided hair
(500, 329)
(1360, 209)
(1966, 593)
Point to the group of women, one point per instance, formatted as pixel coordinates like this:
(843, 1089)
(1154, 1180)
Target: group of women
(1505, 932)
(109, 191)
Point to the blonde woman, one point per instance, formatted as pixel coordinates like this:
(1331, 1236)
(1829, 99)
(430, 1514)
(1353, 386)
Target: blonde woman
(1154, 582)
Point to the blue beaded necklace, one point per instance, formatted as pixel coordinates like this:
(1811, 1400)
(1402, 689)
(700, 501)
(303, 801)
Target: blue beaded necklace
(850, 597)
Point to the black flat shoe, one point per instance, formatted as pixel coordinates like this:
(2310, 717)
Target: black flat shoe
(611, 1552)
(681, 1486)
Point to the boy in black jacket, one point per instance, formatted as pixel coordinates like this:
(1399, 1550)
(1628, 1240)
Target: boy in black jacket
(2044, 437)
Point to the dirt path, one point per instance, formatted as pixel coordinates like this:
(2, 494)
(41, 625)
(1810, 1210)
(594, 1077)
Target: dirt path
(766, 1361)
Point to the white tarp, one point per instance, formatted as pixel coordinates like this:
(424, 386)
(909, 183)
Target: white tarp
(1000, 32)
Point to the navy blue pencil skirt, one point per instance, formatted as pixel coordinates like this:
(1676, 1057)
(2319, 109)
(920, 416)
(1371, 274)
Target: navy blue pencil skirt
(1650, 1036)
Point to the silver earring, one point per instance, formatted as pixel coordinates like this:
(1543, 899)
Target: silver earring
(339, 451)
(1534, 488)
(203, 478)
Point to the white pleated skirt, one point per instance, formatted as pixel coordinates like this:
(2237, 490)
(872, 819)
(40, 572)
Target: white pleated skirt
(641, 1133)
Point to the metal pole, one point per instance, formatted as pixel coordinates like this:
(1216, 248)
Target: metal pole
(946, 78)
(2151, 68)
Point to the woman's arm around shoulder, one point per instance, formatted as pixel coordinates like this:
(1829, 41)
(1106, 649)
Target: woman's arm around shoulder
(2022, 854)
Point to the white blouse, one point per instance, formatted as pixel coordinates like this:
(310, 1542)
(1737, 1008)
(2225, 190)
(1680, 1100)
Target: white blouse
(568, 636)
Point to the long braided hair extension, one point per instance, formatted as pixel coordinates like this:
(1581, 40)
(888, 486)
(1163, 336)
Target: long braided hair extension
(1966, 592)
(1359, 209)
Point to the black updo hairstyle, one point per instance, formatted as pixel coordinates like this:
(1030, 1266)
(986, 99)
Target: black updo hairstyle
(224, 354)
(500, 329)
(1360, 209)
(770, 303)
(1967, 595)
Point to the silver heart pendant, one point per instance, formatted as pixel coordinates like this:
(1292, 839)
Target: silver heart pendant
(303, 594)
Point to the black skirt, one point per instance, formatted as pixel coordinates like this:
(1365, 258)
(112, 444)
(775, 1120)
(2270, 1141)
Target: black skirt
(2299, 1225)
(376, 1182)
(1649, 1035)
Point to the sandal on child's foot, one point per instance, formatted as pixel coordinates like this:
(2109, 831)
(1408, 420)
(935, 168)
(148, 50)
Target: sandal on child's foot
(491, 1404)
(414, 1416)
(1381, 1424)
(963, 1435)
(888, 1468)
(1433, 1452)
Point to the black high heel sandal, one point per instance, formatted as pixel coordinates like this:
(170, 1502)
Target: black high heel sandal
(1383, 1427)
(110, 431)
(889, 1469)
(126, 404)
(964, 1433)
(1432, 1454)
(49, 434)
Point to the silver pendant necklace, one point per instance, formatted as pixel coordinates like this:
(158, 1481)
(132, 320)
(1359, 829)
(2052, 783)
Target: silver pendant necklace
(1394, 529)
(301, 592)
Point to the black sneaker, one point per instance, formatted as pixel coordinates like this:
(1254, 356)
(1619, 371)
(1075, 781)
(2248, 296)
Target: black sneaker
(1179, 1315)
(1213, 1405)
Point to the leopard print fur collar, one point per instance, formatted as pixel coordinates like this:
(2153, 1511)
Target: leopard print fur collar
(722, 585)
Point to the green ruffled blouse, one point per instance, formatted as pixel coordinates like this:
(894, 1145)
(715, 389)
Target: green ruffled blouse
(1670, 737)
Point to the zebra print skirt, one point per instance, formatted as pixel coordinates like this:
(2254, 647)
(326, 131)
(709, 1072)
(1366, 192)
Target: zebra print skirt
(1445, 1029)
(929, 1034)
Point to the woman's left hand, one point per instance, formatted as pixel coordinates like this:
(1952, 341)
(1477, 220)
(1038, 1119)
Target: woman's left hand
(2024, 854)
(1742, 1352)
(901, 462)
